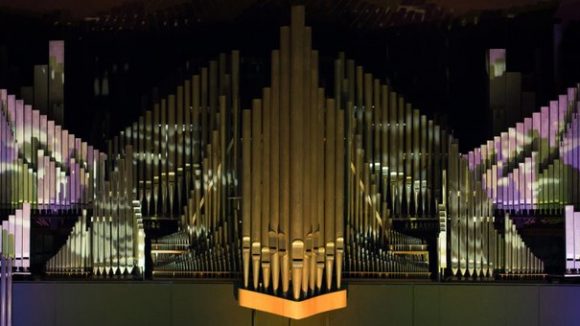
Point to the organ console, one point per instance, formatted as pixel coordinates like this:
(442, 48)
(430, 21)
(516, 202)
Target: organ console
(292, 193)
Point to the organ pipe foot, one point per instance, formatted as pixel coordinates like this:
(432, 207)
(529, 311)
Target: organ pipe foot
(339, 257)
(297, 266)
(266, 267)
(256, 270)
(320, 268)
(296, 278)
(266, 275)
(305, 272)
(246, 261)
(329, 264)
(275, 271)
(285, 272)
(312, 271)
(256, 263)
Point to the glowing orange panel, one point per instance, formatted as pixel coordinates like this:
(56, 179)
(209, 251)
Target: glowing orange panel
(290, 308)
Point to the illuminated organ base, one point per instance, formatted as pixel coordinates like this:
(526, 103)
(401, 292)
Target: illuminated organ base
(304, 188)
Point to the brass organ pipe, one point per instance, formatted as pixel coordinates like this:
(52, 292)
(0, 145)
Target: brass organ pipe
(330, 200)
(213, 95)
(368, 117)
(212, 190)
(275, 168)
(179, 153)
(358, 81)
(338, 75)
(320, 186)
(453, 181)
(316, 158)
(377, 120)
(235, 98)
(204, 108)
(417, 130)
(164, 158)
(284, 234)
(171, 155)
(463, 215)
(296, 149)
(424, 154)
(265, 185)
(141, 158)
(307, 159)
(256, 188)
(385, 148)
(350, 192)
(195, 119)
(339, 186)
(470, 217)
(430, 170)
(155, 165)
(393, 152)
(401, 155)
(247, 190)
(222, 183)
(187, 137)
(148, 160)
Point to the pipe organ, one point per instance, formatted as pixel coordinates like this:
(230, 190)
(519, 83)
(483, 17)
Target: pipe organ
(371, 161)
(302, 189)
(309, 183)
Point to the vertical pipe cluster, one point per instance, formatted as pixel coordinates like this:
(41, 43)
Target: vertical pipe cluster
(182, 165)
(293, 163)
(531, 168)
(18, 225)
(186, 169)
(74, 257)
(42, 163)
(116, 220)
(394, 157)
(477, 248)
(474, 243)
(7, 256)
(112, 240)
(517, 259)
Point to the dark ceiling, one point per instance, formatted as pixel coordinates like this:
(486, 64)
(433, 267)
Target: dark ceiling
(434, 53)
(226, 8)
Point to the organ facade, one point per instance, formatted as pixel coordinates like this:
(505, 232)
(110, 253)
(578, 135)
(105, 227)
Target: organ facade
(309, 185)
